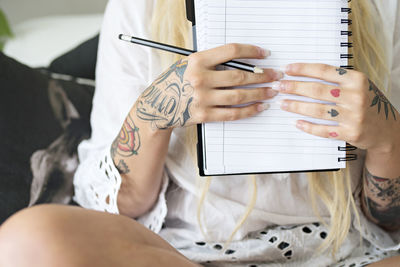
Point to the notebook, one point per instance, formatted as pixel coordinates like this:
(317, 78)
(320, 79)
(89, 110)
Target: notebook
(309, 31)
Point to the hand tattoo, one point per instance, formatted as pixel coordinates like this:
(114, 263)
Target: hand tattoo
(170, 106)
(382, 200)
(333, 112)
(379, 99)
(126, 144)
(341, 71)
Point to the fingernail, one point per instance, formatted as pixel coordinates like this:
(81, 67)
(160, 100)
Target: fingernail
(284, 105)
(278, 75)
(283, 68)
(264, 52)
(276, 86)
(300, 125)
(271, 93)
(263, 106)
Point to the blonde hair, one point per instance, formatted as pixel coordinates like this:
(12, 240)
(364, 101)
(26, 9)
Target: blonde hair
(334, 189)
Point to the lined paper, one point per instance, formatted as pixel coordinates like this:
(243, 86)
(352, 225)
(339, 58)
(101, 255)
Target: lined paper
(306, 31)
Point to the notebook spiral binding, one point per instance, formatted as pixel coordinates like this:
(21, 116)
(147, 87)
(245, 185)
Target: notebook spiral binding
(346, 33)
(349, 22)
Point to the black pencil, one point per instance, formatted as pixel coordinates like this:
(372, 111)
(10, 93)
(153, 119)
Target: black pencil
(186, 52)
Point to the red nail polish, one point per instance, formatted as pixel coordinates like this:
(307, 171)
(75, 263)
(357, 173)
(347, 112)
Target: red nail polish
(333, 134)
(335, 92)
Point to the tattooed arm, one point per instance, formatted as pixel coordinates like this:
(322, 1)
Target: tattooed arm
(189, 92)
(381, 188)
(365, 118)
(381, 177)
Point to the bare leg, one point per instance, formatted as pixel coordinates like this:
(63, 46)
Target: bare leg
(53, 235)
(390, 262)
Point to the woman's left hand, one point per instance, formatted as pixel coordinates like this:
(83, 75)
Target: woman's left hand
(365, 117)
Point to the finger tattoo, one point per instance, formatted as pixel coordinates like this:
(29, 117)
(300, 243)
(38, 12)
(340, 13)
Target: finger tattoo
(335, 92)
(333, 112)
(333, 134)
(341, 71)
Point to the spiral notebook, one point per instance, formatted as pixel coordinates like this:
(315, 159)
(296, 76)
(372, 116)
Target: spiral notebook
(310, 31)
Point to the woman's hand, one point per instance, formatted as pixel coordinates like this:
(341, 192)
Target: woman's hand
(366, 119)
(192, 91)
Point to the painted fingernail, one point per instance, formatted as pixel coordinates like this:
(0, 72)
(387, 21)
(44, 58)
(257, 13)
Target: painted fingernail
(263, 106)
(300, 125)
(271, 93)
(276, 86)
(284, 105)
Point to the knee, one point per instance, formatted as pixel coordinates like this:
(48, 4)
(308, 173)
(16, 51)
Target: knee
(30, 237)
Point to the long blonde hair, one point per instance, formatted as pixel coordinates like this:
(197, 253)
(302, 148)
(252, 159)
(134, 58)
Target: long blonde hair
(334, 189)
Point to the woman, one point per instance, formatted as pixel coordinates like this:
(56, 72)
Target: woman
(147, 171)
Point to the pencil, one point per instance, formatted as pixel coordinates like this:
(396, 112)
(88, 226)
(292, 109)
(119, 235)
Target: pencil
(186, 52)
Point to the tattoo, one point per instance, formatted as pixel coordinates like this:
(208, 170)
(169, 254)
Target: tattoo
(122, 167)
(168, 105)
(333, 112)
(335, 92)
(341, 71)
(126, 144)
(382, 199)
(333, 134)
(379, 99)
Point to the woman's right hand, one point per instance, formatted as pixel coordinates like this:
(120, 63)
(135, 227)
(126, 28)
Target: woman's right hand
(192, 91)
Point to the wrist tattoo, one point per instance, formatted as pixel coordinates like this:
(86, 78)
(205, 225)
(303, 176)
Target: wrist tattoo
(382, 199)
(126, 144)
(380, 99)
(341, 71)
(166, 103)
(122, 167)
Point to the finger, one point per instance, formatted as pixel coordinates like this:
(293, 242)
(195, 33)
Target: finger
(233, 113)
(325, 131)
(321, 71)
(225, 53)
(313, 90)
(230, 97)
(315, 110)
(230, 78)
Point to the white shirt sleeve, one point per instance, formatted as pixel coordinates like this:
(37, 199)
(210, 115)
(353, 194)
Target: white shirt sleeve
(122, 73)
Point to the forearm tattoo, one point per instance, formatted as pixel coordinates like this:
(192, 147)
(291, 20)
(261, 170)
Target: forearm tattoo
(380, 99)
(166, 103)
(126, 144)
(382, 199)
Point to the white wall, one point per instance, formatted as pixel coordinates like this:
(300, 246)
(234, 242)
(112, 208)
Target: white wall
(20, 10)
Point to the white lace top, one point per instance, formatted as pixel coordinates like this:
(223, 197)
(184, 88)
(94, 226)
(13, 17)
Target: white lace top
(281, 229)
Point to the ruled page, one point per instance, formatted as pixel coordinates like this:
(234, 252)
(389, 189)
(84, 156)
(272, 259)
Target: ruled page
(295, 31)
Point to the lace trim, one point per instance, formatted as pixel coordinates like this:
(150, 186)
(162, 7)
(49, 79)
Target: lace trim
(97, 183)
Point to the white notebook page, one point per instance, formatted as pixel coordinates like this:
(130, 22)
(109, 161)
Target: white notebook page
(295, 31)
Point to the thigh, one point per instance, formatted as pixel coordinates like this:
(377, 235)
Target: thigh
(74, 236)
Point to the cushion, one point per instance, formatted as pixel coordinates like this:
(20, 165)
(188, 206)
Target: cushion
(33, 116)
(79, 62)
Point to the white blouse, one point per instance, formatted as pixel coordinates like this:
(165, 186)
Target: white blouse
(280, 229)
